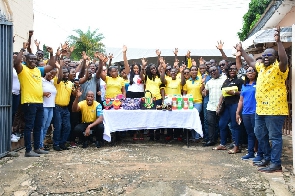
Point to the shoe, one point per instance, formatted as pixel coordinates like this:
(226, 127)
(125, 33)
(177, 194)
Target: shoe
(135, 139)
(168, 138)
(46, 148)
(220, 147)
(14, 140)
(85, 145)
(57, 148)
(40, 151)
(31, 154)
(257, 159)
(209, 143)
(271, 168)
(15, 136)
(263, 163)
(63, 147)
(141, 138)
(97, 144)
(73, 145)
(179, 139)
(248, 157)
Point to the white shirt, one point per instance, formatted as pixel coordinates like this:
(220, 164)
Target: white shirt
(137, 85)
(102, 89)
(214, 87)
(48, 86)
(15, 83)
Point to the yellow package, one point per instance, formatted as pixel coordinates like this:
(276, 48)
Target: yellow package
(225, 89)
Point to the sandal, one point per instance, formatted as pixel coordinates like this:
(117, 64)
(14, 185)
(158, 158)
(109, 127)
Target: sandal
(220, 147)
(234, 150)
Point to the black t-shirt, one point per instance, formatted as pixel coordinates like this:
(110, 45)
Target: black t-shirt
(233, 82)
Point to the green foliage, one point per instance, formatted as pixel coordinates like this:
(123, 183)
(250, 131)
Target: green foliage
(46, 54)
(89, 41)
(256, 9)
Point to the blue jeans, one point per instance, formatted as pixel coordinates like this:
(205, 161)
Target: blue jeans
(62, 125)
(229, 116)
(206, 137)
(195, 135)
(33, 121)
(48, 114)
(270, 128)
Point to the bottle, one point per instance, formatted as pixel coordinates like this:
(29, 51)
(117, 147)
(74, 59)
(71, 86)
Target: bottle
(179, 102)
(174, 103)
(185, 103)
(190, 102)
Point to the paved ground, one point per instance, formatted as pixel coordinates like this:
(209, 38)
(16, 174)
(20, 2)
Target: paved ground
(143, 168)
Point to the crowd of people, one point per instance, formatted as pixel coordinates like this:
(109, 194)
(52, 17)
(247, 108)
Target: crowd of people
(231, 97)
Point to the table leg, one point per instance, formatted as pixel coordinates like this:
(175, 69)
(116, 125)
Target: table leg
(187, 142)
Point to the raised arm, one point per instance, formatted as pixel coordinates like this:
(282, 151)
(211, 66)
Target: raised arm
(85, 69)
(100, 67)
(30, 41)
(175, 52)
(18, 60)
(83, 65)
(189, 59)
(162, 69)
(142, 71)
(37, 44)
(60, 72)
(75, 107)
(238, 60)
(281, 51)
(220, 48)
(110, 60)
(52, 61)
(126, 65)
(250, 61)
(158, 53)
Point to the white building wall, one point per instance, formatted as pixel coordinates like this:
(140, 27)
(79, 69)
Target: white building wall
(20, 12)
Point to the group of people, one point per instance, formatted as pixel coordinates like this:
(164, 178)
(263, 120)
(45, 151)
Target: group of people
(233, 96)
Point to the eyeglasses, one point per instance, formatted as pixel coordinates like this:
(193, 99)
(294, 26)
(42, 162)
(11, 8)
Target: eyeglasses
(232, 69)
(212, 70)
(250, 71)
(267, 55)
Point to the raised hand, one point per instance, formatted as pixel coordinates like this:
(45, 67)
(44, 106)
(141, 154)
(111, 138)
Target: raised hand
(65, 46)
(238, 46)
(84, 56)
(37, 43)
(49, 49)
(277, 34)
(31, 32)
(158, 52)
(175, 52)
(110, 56)
(96, 54)
(194, 63)
(238, 54)
(188, 54)
(201, 61)
(176, 62)
(124, 48)
(25, 45)
(78, 93)
(57, 64)
(220, 45)
(143, 62)
(72, 48)
(57, 51)
(181, 68)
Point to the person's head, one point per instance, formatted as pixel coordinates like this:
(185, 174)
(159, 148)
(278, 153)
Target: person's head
(39, 55)
(168, 70)
(51, 74)
(72, 74)
(268, 56)
(135, 68)
(92, 67)
(40, 63)
(231, 70)
(251, 75)
(123, 73)
(113, 71)
(31, 60)
(186, 73)
(212, 62)
(89, 98)
(67, 61)
(208, 65)
(193, 72)
(202, 68)
(152, 71)
(173, 73)
(65, 73)
(214, 72)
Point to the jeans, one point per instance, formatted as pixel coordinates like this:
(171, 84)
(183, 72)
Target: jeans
(269, 127)
(33, 121)
(212, 119)
(15, 104)
(62, 125)
(47, 117)
(206, 137)
(229, 115)
(195, 135)
(249, 124)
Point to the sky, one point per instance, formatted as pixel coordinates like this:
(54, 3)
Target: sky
(152, 24)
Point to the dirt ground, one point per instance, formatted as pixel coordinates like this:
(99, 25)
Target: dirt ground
(143, 168)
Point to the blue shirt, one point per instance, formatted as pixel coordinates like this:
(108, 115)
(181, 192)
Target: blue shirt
(206, 98)
(249, 103)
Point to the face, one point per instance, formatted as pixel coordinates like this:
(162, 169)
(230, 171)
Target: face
(65, 74)
(40, 55)
(232, 71)
(213, 71)
(153, 70)
(202, 69)
(186, 74)
(136, 69)
(67, 62)
(268, 57)
(251, 73)
(89, 98)
(31, 61)
(208, 65)
(72, 74)
(93, 68)
(123, 74)
(114, 72)
(173, 74)
(168, 70)
(50, 75)
(194, 72)
(90, 73)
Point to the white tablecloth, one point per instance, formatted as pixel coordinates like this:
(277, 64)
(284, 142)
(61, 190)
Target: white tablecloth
(123, 120)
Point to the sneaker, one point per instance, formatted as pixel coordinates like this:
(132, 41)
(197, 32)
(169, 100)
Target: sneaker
(57, 148)
(40, 151)
(73, 145)
(97, 144)
(15, 136)
(248, 157)
(13, 139)
(31, 154)
(257, 159)
(63, 147)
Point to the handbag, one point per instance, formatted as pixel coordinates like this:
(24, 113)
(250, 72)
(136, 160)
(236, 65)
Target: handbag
(148, 101)
(131, 103)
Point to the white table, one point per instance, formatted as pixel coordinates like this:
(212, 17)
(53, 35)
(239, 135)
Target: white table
(123, 120)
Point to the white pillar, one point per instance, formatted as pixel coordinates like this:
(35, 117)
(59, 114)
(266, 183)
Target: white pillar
(293, 94)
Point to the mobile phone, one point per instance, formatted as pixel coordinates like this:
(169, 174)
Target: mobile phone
(239, 121)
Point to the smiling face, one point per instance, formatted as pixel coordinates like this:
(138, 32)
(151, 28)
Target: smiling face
(153, 70)
(50, 75)
(89, 98)
(214, 72)
(186, 74)
(232, 71)
(114, 72)
(268, 57)
(93, 68)
(168, 70)
(136, 69)
(202, 69)
(65, 74)
(31, 60)
(194, 72)
(251, 73)
(173, 73)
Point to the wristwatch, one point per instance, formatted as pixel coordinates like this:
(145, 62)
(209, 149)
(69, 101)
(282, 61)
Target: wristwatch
(23, 49)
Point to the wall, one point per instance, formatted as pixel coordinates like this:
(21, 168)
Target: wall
(289, 19)
(22, 17)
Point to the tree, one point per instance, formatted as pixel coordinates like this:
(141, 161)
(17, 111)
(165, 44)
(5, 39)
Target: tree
(46, 55)
(89, 41)
(256, 9)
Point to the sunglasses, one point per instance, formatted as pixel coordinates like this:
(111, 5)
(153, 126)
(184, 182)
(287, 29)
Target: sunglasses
(250, 71)
(267, 55)
(213, 70)
(232, 69)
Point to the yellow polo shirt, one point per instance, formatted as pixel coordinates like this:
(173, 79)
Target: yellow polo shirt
(193, 87)
(30, 85)
(271, 91)
(64, 90)
(173, 87)
(114, 86)
(89, 113)
(154, 87)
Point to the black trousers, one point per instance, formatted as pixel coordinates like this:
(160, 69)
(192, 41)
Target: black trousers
(212, 120)
(97, 131)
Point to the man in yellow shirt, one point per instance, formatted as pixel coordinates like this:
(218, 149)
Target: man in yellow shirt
(92, 118)
(32, 96)
(272, 106)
